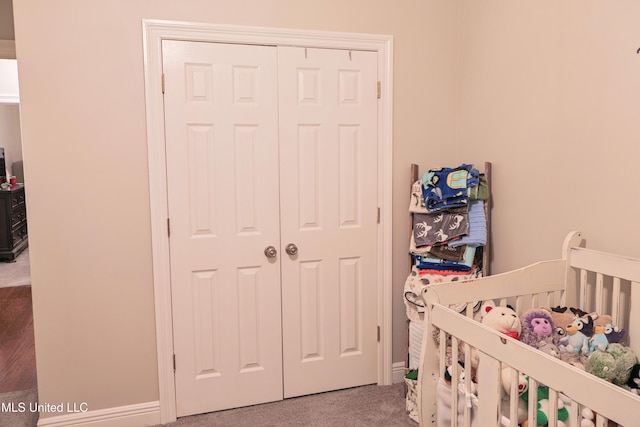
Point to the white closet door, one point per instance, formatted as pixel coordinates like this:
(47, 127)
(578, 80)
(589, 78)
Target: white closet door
(269, 146)
(222, 168)
(328, 179)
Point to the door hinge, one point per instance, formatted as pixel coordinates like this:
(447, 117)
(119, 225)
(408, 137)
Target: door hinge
(378, 339)
(174, 362)
(163, 84)
(378, 215)
(168, 227)
(379, 90)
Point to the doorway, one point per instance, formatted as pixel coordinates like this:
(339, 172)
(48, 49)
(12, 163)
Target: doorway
(18, 378)
(155, 33)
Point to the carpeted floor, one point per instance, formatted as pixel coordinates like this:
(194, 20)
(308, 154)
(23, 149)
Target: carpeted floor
(367, 406)
(16, 409)
(16, 273)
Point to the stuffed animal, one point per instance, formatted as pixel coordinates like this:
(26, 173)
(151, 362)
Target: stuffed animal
(550, 349)
(578, 360)
(505, 380)
(478, 313)
(542, 415)
(634, 379)
(613, 364)
(538, 329)
(602, 365)
(625, 361)
(562, 316)
(599, 319)
(613, 333)
(598, 340)
(578, 333)
(505, 321)
(586, 415)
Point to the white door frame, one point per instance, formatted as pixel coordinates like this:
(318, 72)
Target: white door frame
(154, 31)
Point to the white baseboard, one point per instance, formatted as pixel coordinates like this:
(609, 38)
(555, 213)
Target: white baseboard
(398, 370)
(142, 414)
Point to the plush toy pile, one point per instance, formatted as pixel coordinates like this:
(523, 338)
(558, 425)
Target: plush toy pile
(588, 341)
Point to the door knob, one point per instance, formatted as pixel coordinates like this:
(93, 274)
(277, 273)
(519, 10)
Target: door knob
(270, 252)
(291, 249)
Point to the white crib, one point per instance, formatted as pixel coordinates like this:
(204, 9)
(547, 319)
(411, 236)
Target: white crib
(591, 280)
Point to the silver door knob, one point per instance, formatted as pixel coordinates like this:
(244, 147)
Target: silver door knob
(270, 252)
(291, 249)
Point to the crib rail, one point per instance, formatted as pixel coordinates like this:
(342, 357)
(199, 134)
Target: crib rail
(605, 399)
(546, 279)
(584, 278)
(608, 283)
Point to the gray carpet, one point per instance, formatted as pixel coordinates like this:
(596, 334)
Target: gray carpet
(16, 408)
(361, 406)
(16, 273)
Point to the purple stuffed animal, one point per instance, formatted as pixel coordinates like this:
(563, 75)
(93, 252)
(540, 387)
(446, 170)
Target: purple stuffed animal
(538, 330)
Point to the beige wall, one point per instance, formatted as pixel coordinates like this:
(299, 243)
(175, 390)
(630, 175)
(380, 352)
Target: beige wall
(550, 93)
(547, 91)
(84, 146)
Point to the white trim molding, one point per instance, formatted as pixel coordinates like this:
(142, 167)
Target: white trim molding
(142, 414)
(154, 32)
(399, 371)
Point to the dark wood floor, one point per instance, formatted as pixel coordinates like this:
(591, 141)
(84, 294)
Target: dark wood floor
(17, 351)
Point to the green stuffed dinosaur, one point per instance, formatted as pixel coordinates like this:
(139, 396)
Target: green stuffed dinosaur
(543, 407)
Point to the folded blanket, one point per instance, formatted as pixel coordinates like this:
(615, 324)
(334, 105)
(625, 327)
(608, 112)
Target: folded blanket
(480, 191)
(416, 201)
(441, 264)
(439, 228)
(477, 235)
(447, 188)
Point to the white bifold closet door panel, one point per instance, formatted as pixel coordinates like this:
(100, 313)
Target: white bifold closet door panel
(222, 161)
(268, 146)
(328, 187)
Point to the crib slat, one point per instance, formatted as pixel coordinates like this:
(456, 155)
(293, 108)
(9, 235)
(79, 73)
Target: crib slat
(429, 372)
(532, 403)
(634, 321)
(582, 291)
(601, 421)
(488, 390)
(455, 380)
(513, 397)
(442, 350)
(534, 302)
(599, 293)
(553, 407)
(467, 381)
(574, 411)
(615, 302)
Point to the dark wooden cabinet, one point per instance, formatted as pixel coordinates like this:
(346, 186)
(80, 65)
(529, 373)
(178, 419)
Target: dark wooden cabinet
(13, 222)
